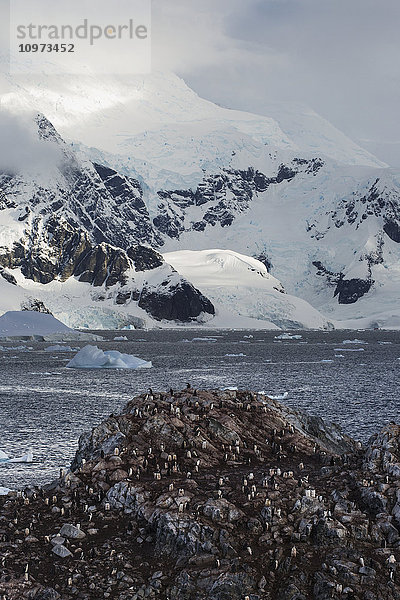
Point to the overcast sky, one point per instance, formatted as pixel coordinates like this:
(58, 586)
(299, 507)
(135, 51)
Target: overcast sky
(341, 57)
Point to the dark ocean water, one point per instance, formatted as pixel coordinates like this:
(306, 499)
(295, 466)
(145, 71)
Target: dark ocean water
(45, 406)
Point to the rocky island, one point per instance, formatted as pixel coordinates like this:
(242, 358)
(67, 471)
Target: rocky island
(217, 495)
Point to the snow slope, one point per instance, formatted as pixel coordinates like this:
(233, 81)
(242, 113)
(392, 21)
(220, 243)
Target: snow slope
(24, 323)
(242, 286)
(157, 126)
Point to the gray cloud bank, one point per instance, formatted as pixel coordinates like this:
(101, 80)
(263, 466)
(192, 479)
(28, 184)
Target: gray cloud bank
(21, 149)
(341, 57)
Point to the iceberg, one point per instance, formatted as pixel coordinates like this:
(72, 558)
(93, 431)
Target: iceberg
(279, 396)
(3, 455)
(121, 338)
(4, 491)
(26, 458)
(60, 348)
(288, 336)
(91, 357)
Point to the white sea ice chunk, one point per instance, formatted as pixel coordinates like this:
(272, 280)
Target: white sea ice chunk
(59, 348)
(3, 455)
(26, 458)
(279, 396)
(91, 357)
(4, 491)
(288, 336)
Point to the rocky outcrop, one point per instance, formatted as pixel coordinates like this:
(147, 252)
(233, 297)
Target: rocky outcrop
(221, 197)
(35, 305)
(210, 495)
(91, 222)
(183, 303)
(349, 291)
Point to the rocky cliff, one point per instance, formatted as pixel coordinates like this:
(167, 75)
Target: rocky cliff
(213, 495)
(83, 220)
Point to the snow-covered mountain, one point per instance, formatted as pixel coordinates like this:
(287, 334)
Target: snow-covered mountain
(172, 171)
(240, 286)
(72, 235)
(72, 230)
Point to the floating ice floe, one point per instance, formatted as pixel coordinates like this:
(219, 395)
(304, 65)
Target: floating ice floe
(326, 360)
(349, 349)
(354, 342)
(121, 338)
(21, 348)
(241, 354)
(201, 339)
(91, 357)
(278, 396)
(288, 336)
(26, 458)
(230, 389)
(4, 491)
(60, 348)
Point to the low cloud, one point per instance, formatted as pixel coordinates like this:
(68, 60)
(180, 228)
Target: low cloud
(21, 148)
(337, 56)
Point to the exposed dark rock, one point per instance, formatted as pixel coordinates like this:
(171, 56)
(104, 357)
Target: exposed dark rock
(103, 265)
(182, 302)
(392, 229)
(47, 594)
(35, 305)
(350, 290)
(265, 260)
(8, 276)
(144, 258)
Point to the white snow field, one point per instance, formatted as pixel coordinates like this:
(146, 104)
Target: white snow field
(156, 125)
(240, 286)
(91, 357)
